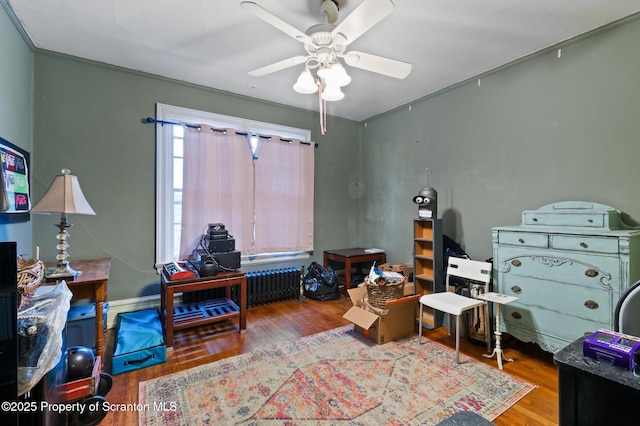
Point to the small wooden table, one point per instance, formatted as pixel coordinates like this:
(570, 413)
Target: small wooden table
(199, 313)
(91, 284)
(497, 299)
(352, 256)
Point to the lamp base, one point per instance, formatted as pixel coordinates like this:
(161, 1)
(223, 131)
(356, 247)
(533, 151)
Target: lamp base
(61, 272)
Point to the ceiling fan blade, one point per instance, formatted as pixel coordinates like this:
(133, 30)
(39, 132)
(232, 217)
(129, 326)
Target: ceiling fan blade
(276, 22)
(366, 15)
(278, 66)
(377, 64)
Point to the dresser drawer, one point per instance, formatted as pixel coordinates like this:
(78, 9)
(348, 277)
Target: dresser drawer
(528, 239)
(584, 302)
(598, 272)
(521, 321)
(585, 243)
(589, 220)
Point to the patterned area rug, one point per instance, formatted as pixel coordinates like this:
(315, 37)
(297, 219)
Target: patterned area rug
(335, 377)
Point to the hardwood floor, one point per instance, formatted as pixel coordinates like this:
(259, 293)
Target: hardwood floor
(286, 320)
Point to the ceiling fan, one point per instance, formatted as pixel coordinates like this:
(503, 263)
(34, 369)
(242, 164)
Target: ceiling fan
(325, 43)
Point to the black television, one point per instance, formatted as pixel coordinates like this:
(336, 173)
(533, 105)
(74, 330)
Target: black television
(15, 190)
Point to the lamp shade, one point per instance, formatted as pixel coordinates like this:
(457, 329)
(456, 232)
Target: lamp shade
(335, 75)
(305, 83)
(64, 196)
(332, 93)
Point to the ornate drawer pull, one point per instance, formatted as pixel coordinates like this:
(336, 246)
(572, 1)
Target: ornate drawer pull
(591, 304)
(520, 240)
(516, 315)
(516, 262)
(591, 273)
(516, 289)
(584, 245)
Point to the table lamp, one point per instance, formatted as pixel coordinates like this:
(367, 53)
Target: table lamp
(65, 197)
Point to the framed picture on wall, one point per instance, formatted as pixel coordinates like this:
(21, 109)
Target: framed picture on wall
(15, 193)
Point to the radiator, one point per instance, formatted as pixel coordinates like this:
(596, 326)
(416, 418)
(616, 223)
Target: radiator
(262, 287)
(274, 284)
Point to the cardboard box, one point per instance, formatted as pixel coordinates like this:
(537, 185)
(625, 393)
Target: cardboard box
(409, 288)
(404, 268)
(396, 320)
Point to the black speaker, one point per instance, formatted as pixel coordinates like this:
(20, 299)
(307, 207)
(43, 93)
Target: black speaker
(208, 267)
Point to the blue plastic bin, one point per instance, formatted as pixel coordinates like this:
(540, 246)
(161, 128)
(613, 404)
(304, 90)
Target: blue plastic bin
(81, 324)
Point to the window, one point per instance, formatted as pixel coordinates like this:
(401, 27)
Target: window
(254, 177)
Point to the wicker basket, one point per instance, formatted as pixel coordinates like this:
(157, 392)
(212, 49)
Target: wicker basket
(379, 295)
(30, 274)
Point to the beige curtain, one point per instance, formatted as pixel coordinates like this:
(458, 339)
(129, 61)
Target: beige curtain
(284, 195)
(217, 182)
(264, 200)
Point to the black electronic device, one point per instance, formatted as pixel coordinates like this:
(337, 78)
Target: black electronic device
(217, 231)
(229, 261)
(222, 245)
(217, 239)
(179, 271)
(215, 252)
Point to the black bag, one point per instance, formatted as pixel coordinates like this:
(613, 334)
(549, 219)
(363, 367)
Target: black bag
(320, 283)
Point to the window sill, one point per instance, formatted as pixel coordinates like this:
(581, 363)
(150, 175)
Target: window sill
(264, 259)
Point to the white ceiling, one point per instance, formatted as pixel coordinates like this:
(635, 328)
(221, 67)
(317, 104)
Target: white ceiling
(215, 42)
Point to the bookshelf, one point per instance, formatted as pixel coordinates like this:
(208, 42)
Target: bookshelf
(428, 267)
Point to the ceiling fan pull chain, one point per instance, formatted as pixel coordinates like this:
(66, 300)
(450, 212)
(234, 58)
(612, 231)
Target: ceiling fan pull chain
(321, 108)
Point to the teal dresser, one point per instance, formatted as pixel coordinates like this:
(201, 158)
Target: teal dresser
(568, 263)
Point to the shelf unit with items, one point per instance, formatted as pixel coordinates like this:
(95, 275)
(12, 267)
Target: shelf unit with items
(428, 268)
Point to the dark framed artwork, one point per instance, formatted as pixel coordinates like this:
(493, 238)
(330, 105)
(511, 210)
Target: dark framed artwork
(15, 192)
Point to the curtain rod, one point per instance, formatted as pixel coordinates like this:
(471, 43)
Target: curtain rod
(150, 120)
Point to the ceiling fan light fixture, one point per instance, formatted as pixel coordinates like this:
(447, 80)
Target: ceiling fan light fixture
(325, 43)
(305, 83)
(332, 93)
(334, 75)
(341, 76)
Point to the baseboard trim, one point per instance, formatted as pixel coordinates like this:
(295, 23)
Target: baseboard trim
(134, 304)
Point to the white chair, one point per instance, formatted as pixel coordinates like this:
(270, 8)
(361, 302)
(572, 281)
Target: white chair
(452, 303)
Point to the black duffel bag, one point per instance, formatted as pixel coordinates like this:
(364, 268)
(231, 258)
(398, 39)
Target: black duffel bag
(320, 283)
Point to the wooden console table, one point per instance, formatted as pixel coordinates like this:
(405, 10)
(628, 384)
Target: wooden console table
(91, 284)
(195, 314)
(352, 256)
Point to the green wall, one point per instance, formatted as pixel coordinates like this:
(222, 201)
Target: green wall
(87, 118)
(544, 130)
(15, 111)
